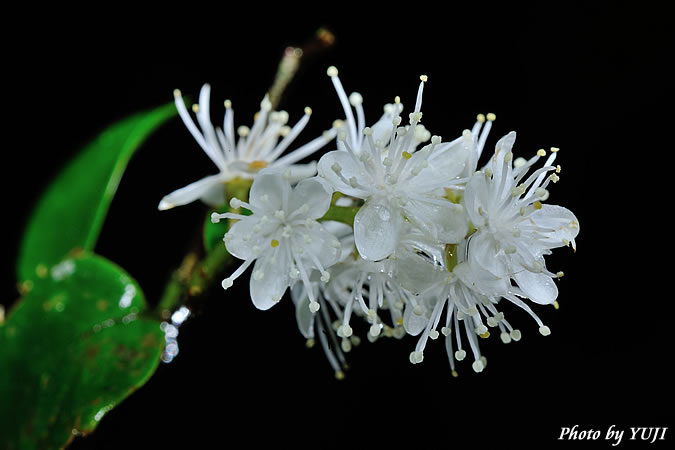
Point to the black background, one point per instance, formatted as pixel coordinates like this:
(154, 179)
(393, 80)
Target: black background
(586, 77)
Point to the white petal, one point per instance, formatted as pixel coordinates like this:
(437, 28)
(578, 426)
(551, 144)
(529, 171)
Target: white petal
(344, 234)
(270, 191)
(349, 167)
(416, 273)
(413, 323)
(314, 192)
(503, 146)
(449, 159)
(268, 290)
(538, 287)
(482, 252)
(480, 280)
(382, 128)
(241, 242)
(204, 189)
(215, 195)
(476, 199)
(320, 245)
(301, 171)
(447, 223)
(562, 223)
(376, 230)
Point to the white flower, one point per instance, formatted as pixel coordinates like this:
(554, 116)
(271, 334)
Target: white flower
(515, 230)
(311, 323)
(366, 288)
(256, 148)
(356, 288)
(468, 294)
(399, 183)
(282, 236)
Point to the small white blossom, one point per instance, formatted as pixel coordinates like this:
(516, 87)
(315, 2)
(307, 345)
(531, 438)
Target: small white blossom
(436, 244)
(381, 165)
(282, 236)
(367, 288)
(514, 229)
(257, 147)
(356, 288)
(468, 294)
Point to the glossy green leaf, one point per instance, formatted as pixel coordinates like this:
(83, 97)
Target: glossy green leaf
(70, 350)
(71, 212)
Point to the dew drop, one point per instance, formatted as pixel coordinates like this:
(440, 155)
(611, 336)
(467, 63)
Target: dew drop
(383, 213)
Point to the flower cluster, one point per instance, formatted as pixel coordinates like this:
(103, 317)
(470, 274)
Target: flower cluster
(394, 226)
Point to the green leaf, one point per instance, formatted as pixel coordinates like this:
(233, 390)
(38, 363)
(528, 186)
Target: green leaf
(71, 212)
(72, 349)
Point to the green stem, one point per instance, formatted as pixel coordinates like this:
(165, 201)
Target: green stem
(198, 271)
(290, 62)
(191, 279)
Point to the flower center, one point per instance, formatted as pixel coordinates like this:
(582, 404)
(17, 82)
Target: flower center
(255, 166)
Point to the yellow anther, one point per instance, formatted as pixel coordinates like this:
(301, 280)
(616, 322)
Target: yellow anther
(257, 165)
(274, 243)
(558, 168)
(491, 117)
(455, 374)
(541, 152)
(554, 149)
(339, 375)
(176, 93)
(485, 335)
(480, 118)
(399, 321)
(327, 38)
(195, 108)
(397, 99)
(309, 343)
(406, 155)
(556, 305)
(424, 78)
(536, 205)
